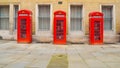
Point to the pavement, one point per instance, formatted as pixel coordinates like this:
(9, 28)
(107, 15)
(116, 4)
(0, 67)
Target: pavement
(38, 55)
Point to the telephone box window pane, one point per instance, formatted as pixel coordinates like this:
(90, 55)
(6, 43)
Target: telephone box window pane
(23, 28)
(75, 17)
(60, 29)
(16, 8)
(108, 17)
(97, 30)
(4, 17)
(44, 17)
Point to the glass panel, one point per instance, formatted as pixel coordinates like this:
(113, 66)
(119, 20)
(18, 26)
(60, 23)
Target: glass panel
(76, 24)
(44, 24)
(108, 24)
(23, 28)
(97, 30)
(60, 29)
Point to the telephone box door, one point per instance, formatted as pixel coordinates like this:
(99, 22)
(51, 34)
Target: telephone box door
(96, 28)
(24, 33)
(59, 27)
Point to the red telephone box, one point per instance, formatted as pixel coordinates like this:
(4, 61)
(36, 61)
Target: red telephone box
(24, 30)
(59, 27)
(96, 28)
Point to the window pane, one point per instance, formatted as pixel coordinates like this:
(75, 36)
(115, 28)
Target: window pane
(44, 17)
(76, 24)
(44, 23)
(4, 17)
(108, 18)
(108, 24)
(16, 8)
(76, 17)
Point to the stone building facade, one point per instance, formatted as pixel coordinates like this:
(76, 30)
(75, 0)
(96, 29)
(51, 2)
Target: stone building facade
(77, 18)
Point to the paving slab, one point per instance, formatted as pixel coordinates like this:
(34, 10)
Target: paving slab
(94, 63)
(113, 65)
(75, 60)
(17, 65)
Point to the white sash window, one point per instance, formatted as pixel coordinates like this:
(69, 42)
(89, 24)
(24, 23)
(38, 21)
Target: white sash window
(75, 17)
(44, 17)
(108, 17)
(4, 17)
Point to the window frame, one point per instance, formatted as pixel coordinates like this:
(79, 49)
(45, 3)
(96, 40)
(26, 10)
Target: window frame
(113, 17)
(38, 18)
(7, 17)
(15, 25)
(69, 21)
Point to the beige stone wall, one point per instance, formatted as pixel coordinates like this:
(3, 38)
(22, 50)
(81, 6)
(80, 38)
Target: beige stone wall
(118, 17)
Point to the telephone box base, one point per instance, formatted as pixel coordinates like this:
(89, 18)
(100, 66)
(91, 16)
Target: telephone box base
(96, 44)
(24, 42)
(56, 42)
